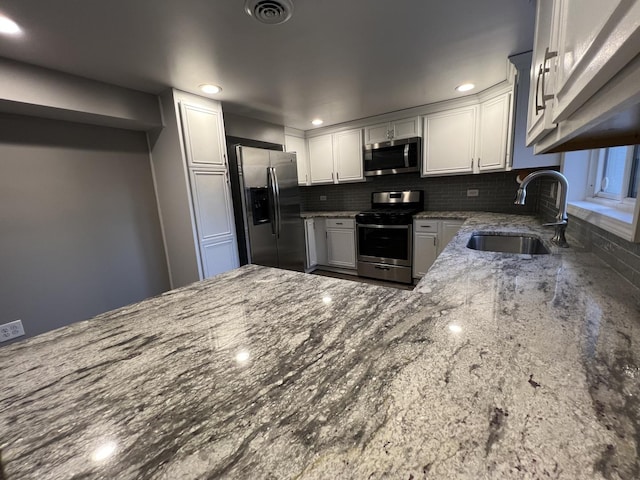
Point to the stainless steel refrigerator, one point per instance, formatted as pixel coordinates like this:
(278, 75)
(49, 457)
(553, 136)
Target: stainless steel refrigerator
(274, 231)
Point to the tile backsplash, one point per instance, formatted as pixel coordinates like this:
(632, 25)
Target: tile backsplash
(496, 192)
(621, 255)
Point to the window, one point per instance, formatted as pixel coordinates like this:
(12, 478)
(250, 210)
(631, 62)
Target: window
(617, 172)
(603, 187)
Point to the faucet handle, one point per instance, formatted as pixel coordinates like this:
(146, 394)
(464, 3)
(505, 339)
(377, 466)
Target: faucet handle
(555, 224)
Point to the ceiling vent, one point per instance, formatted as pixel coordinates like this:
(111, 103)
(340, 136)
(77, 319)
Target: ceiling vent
(271, 12)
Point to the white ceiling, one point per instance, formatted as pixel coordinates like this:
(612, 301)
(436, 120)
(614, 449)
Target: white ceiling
(335, 59)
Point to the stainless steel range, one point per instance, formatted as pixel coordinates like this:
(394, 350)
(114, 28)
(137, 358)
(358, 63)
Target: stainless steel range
(385, 235)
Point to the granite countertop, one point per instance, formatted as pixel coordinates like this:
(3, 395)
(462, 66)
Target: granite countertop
(334, 214)
(496, 366)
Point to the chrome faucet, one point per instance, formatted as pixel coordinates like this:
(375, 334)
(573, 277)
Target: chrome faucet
(561, 218)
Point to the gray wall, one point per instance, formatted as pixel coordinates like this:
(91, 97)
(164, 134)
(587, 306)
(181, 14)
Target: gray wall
(496, 193)
(245, 127)
(79, 228)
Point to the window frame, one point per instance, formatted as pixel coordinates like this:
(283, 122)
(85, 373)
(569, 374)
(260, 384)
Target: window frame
(597, 163)
(618, 216)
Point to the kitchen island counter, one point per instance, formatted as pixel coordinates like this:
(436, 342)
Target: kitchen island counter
(495, 366)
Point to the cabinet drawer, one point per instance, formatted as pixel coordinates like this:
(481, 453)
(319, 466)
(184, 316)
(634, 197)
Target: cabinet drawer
(430, 226)
(341, 223)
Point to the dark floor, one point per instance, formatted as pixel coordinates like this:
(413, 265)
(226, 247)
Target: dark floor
(354, 278)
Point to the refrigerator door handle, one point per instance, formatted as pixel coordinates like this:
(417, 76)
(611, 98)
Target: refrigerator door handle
(272, 200)
(276, 191)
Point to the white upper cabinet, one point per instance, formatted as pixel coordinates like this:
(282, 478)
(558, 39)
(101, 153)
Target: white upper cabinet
(383, 132)
(596, 39)
(494, 133)
(470, 139)
(449, 141)
(336, 158)
(543, 67)
(202, 132)
(321, 159)
(347, 154)
(298, 145)
(584, 76)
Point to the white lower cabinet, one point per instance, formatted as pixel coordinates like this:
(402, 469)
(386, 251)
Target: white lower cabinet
(214, 220)
(310, 240)
(430, 237)
(447, 232)
(341, 242)
(218, 256)
(425, 251)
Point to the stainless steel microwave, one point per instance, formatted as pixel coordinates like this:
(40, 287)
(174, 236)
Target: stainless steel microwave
(394, 156)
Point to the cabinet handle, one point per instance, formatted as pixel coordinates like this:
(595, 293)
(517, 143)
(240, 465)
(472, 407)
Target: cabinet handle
(542, 74)
(539, 107)
(338, 223)
(337, 176)
(547, 56)
(332, 180)
(306, 179)
(434, 241)
(472, 164)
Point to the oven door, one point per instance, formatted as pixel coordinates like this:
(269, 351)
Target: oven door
(390, 244)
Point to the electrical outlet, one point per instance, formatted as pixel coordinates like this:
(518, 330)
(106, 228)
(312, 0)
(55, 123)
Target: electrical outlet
(323, 198)
(11, 330)
(473, 192)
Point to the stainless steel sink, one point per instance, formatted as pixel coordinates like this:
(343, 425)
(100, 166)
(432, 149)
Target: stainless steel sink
(507, 243)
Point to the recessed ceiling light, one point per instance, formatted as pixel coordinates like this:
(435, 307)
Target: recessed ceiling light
(465, 87)
(317, 122)
(211, 89)
(8, 26)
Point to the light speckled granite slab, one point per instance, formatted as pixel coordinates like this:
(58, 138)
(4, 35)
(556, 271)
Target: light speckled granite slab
(334, 214)
(496, 367)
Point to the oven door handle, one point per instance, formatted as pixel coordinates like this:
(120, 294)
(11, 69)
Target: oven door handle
(382, 267)
(396, 227)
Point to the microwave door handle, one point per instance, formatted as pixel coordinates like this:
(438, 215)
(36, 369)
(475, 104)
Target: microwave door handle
(406, 155)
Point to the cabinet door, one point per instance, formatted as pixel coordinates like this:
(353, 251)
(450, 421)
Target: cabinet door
(203, 136)
(321, 159)
(447, 232)
(347, 154)
(543, 69)
(449, 142)
(406, 128)
(212, 204)
(425, 251)
(377, 133)
(299, 147)
(596, 39)
(214, 221)
(219, 257)
(341, 247)
(310, 238)
(494, 132)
